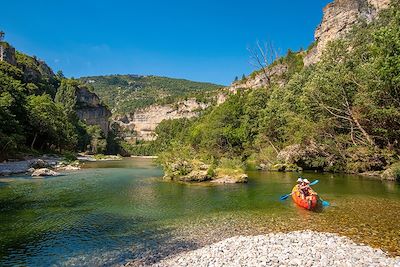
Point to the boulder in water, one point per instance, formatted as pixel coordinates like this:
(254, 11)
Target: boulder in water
(242, 178)
(44, 172)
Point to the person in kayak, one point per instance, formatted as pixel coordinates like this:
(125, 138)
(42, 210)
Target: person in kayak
(305, 189)
(299, 183)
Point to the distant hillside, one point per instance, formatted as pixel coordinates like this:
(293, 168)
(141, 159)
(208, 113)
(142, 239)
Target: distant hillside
(127, 93)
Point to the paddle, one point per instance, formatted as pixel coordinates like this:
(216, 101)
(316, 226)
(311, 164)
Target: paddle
(324, 203)
(288, 195)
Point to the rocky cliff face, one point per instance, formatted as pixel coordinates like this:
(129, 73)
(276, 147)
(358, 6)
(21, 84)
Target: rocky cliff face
(141, 124)
(7, 53)
(339, 17)
(91, 110)
(259, 80)
(33, 69)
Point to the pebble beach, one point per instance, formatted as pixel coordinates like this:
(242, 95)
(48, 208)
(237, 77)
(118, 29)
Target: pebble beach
(299, 248)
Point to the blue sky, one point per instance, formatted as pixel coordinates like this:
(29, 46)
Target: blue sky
(197, 40)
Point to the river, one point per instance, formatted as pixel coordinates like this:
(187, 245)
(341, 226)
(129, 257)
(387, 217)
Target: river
(113, 212)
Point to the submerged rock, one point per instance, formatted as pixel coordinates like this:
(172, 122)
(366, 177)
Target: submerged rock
(44, 172)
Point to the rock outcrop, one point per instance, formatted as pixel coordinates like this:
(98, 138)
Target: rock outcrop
(141, 124)
(90, 109)
(339, 17)
(259, 80)
(236, 179)
(7, 53)
(196, 171)
(44, 172)
(392, 173)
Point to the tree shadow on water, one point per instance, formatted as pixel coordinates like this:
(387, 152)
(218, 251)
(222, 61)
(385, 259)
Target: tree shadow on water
(133, 241)
(98, 239)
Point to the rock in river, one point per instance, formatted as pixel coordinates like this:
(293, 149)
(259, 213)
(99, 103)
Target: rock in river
(242, 178)
(44, 172)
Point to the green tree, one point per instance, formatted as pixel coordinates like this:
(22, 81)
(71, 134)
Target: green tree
(49, 123)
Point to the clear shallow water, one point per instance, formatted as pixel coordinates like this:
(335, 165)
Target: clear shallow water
(111, 212)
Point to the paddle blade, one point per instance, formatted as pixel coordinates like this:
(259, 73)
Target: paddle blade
(315, 182)
(325, 203)
(284, 197)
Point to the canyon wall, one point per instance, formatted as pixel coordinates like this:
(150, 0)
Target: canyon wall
(338, 19)
(141, 124)
(90, 109)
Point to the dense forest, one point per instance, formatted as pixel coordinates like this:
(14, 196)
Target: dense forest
(126, 93)
(341, 114)
(38, 109)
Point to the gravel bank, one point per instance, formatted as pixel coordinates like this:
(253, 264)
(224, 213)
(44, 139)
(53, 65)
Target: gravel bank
(301, 248)
(23, 166)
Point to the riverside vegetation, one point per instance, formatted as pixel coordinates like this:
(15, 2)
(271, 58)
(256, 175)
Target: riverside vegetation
(339, 115)
(38, 111)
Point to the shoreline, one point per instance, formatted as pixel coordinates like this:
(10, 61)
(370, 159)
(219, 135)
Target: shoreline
(288, 249)
(53, 162)
(145, 157)
(8, 168)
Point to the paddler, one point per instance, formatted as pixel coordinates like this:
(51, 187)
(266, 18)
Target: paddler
(305, 189)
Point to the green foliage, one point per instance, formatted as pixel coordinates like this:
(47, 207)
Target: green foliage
(38, 73)
(396, 171)
(126, 93)
(98, 142)
(348, 104)
(31, 119)
(50, 125)
(69, 157)
(66, 95)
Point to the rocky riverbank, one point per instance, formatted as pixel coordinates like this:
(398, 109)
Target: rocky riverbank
(48, 165)
(98, 157)
(30, 165)
(300, 248)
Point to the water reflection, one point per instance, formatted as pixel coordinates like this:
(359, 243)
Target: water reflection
(113, 211)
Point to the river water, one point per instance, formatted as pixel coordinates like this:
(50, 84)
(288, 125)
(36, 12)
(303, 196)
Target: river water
(113, 212)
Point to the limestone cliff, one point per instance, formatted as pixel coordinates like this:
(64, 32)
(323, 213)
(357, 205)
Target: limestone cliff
(338, 19)
(90, 109)
(141, 124)
(7, 53)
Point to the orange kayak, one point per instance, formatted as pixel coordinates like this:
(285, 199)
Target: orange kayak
(310, 202)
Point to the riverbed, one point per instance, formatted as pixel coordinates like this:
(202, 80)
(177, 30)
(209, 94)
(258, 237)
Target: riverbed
(111, 213)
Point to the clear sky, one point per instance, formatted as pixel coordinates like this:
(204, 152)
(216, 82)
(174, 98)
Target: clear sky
(198, 40)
